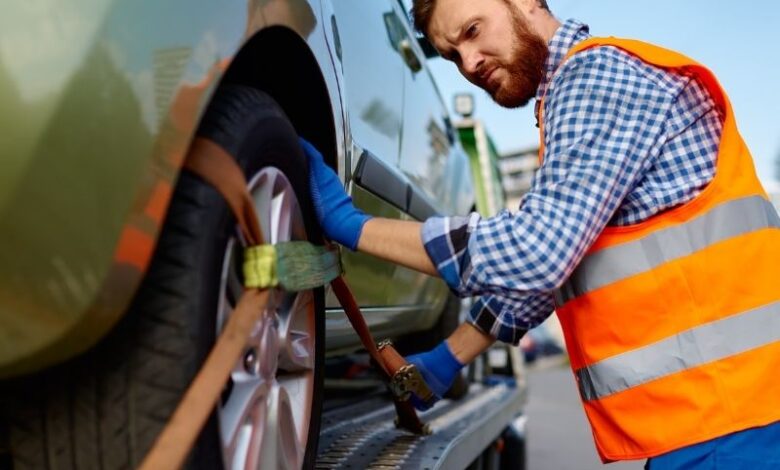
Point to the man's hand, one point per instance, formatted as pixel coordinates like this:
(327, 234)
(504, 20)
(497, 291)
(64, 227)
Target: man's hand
(439, 367)
(338, 217)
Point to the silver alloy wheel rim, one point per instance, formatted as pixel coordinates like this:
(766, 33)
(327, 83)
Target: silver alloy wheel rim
(265, 411)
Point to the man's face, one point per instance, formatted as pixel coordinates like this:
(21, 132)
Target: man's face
(493, 46)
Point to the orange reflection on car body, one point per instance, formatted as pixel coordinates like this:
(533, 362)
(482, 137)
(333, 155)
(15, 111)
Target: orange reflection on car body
(135, 248)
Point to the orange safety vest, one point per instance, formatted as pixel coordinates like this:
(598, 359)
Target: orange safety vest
(673, 324)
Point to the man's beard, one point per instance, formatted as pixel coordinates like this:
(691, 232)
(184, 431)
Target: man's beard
(526, 66)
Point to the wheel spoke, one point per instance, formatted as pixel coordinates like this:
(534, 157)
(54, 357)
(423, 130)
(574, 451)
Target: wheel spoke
(245, 405)
(299, 393)
(281, 447)
(261, 355)
(281, 217)
(268, 348)
(262, 195)
(296, 351)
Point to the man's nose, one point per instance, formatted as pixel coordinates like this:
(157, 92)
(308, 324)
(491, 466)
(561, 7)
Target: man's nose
(473, 62)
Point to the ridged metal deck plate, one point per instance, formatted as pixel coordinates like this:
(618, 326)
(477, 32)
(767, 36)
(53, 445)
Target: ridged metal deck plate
(363, 436)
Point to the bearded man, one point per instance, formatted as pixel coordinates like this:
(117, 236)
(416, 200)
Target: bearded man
(646, 229)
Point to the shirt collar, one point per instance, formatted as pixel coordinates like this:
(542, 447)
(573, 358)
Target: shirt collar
(568, 35)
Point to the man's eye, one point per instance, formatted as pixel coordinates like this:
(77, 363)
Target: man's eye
(472, 31)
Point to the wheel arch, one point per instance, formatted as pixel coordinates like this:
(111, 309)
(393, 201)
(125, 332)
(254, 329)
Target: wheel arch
(279, 62)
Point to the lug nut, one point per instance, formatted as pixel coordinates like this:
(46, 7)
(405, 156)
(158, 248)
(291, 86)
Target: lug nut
(250, 361)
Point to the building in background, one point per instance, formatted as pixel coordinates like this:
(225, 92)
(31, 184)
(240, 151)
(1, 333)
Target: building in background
(517, 169)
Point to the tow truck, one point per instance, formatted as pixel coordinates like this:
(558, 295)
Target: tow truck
(483, 428)
(483, 157)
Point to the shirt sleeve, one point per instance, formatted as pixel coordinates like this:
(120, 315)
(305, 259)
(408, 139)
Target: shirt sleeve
(603, 128)
(508, 319)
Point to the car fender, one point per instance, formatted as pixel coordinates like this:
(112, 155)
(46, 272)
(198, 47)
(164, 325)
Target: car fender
(104, 142)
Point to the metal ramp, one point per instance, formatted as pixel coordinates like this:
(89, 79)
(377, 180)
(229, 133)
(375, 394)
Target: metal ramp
(363, 436)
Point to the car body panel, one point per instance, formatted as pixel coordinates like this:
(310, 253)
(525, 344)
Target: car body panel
(99, 100)
(394, 300)
(375, 118)
(376, 115)
(427, 145)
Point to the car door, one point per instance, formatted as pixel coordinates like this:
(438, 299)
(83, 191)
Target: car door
(428, 159)
(381, 63)
(373, 78)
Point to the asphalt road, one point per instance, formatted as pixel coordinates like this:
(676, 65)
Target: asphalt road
(559, 436)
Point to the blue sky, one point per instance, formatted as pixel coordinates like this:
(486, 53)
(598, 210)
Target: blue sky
(739, 41)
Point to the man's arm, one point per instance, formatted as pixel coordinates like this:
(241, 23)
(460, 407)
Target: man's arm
(505, 316)
(397, 241)
(490, 319)
(401, 242)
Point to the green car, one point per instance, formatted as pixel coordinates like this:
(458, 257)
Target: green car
(118, 268)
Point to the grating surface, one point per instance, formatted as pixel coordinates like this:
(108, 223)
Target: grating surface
(363, 435)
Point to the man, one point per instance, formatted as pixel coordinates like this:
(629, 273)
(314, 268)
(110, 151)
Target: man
(646, 229)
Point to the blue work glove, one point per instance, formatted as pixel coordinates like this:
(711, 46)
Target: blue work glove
(439, 367)
(339, 218)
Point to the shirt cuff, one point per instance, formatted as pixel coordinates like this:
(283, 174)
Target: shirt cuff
(486, 316)
(508, 319)
(446, 241)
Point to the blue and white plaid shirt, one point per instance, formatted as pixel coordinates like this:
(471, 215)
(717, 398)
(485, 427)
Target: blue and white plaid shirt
(623, 141)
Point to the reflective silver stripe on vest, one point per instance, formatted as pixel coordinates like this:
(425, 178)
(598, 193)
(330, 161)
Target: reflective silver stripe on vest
(722, 222)
(697, 346)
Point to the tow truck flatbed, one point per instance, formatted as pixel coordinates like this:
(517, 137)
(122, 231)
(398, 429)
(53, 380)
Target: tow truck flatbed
(362, 435)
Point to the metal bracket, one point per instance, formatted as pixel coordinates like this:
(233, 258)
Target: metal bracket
(408, 380)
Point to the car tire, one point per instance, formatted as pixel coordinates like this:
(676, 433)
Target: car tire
(105, 408)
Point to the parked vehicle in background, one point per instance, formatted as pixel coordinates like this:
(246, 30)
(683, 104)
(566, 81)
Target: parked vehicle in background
(538, 343)
(117, 268)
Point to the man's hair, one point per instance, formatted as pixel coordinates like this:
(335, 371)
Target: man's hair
(422, 11)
